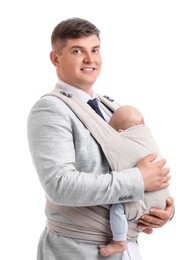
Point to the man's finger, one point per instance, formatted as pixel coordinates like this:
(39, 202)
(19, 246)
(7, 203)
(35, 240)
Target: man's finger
(161, 163)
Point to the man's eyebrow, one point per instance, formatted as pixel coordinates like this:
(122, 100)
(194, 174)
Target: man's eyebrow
(76, 47)
(97, 47)
(81, 47)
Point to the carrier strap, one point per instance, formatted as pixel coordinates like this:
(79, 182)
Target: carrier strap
(99, 128)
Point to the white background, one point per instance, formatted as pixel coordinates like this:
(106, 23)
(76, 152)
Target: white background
(149, 61)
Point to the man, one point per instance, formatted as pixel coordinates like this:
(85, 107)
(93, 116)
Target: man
(71, 166)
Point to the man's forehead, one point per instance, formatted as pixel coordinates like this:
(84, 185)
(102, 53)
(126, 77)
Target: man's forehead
(84, 42)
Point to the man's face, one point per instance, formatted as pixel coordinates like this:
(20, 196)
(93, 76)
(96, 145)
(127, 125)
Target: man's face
(79, 63)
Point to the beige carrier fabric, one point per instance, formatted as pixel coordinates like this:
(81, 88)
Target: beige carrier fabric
(124, 154)
(96, 125)
(94, 223)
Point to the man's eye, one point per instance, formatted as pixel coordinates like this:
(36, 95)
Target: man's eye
(76, 51)
(95, 50)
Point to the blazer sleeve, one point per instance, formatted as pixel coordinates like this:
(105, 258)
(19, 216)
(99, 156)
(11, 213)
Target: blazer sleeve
(51, 125)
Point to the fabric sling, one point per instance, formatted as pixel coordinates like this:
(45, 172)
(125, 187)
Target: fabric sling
(94, 220)
(98, 127)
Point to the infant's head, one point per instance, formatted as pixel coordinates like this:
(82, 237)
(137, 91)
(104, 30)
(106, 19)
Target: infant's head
(125, 117)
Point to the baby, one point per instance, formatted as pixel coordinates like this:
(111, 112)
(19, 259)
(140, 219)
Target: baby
(138, 142)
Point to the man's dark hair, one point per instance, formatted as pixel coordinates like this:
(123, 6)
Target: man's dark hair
(72, 28)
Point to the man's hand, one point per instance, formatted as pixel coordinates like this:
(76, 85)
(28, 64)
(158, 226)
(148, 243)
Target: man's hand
(155, 176)
(157, 217)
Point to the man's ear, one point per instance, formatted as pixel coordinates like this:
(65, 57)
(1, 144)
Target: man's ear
(54, 58)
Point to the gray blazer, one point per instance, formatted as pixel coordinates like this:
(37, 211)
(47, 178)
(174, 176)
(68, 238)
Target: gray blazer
(73, 172)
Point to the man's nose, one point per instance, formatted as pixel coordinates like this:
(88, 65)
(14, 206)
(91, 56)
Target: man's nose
(88, 58)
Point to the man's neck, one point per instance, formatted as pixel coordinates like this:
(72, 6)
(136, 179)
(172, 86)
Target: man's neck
(79, 93)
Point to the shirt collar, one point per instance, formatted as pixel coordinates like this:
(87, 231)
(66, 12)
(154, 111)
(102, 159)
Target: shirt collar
(80, 94)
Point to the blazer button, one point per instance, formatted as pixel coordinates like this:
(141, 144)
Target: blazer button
(130, 197)
(121, 198)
